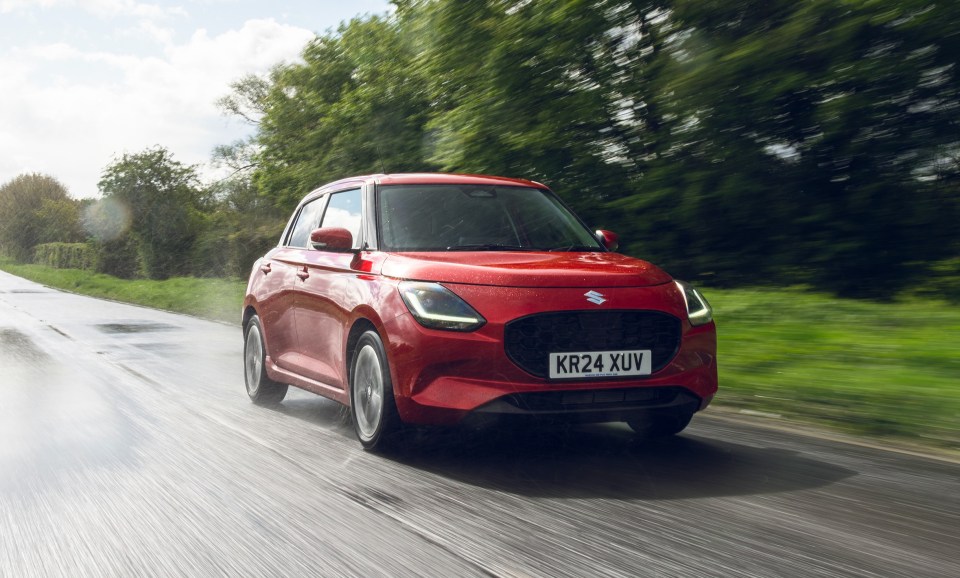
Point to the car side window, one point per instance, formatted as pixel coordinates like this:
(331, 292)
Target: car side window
(344, 210)
(307, 221)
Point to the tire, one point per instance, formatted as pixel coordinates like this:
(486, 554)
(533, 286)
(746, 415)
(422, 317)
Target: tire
(372, 404)
(261, 389)
(660, 426)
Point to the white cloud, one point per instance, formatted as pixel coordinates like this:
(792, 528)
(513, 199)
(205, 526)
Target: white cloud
(73, 111)
(160, 34)
(129, 8)
(7, 6)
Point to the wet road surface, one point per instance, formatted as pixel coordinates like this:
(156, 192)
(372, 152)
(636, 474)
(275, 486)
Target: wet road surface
(128, 447)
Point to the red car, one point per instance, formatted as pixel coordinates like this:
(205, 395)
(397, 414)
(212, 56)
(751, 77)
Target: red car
(428, 298)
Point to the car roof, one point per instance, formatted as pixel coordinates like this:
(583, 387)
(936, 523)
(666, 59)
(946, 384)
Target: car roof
(437, 179)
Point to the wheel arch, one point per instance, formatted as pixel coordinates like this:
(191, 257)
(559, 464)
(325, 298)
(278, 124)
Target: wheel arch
(360, 326)
(389, 422)
(248, 312)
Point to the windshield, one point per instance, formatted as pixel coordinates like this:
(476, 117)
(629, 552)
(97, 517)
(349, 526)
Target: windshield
(477, 218)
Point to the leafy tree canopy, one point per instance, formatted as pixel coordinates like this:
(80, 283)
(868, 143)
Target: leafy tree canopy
(34, 209)
(744, 141)
(355, 105)
(164, 199)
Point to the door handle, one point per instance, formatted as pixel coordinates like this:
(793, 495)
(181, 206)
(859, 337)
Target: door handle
(266, 268)
(303, 274)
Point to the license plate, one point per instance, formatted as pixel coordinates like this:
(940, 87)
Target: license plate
(600, 364)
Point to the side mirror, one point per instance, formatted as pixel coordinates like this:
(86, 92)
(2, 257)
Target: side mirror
(608, 239)
(334, 239)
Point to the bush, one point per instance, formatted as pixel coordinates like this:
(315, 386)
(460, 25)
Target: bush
(66, 256)
(119, 257)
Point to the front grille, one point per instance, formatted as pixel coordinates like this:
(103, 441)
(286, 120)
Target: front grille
(529, 341)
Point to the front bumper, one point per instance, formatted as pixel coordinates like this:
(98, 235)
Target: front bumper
(440, 377)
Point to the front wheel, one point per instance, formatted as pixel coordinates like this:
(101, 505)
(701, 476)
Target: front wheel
(261, 389)
(372, 404)
(660, 426)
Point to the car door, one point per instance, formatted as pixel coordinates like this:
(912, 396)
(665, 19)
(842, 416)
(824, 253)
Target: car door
(327, 293)
(280, 269)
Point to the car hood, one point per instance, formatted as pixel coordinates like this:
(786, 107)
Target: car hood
(525, 269)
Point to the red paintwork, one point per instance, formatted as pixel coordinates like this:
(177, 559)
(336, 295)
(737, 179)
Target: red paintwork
(609, 239)
(525, 269)
(309, 301)
(332, 239)
(439, 376)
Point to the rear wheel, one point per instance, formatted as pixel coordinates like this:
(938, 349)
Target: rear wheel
(261, 389)
(660, 426)
(372, 404)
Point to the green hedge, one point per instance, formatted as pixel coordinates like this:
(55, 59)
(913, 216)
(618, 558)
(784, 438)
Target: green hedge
(66, 255)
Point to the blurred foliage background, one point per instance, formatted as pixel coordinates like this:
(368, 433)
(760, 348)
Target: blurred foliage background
(772, 142)
(738, 142)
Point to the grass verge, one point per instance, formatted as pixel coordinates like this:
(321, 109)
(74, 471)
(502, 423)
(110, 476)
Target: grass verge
(215, 299)
(885, 370)
(877, 369)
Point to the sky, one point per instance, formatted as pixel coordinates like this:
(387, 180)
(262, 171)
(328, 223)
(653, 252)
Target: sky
(83, 82)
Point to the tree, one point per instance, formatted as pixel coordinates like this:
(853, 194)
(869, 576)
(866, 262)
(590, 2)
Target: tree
(248, 98)
(356, 104)
(747, 141)
(59, 221)
(241, 227)
(163, 197)
(248, 101)
(528, 89)
(34, 209)
(802, 141)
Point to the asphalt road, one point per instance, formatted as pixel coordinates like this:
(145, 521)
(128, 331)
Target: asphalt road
(128, 448)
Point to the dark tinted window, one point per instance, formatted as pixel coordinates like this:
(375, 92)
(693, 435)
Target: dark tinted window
(461, 217)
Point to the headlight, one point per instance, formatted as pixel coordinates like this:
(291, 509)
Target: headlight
(436, 307)
(699, 311)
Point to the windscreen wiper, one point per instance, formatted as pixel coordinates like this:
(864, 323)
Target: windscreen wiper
(575, 248)
(487, 247)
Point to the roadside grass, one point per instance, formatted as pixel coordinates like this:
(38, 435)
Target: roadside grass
(215, 299)
(884, 370)
(868, 368)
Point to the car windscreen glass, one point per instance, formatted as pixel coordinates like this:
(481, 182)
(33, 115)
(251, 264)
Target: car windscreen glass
(477, 217)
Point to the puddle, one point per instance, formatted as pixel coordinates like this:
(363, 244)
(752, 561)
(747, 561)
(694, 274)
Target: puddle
(135, 327)
(158, 347)
(16, 345)
(24, 291)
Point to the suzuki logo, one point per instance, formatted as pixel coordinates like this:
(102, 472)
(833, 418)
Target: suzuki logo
(595, 297)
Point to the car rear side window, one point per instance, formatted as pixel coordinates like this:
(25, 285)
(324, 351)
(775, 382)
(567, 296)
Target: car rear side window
(344, 211)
